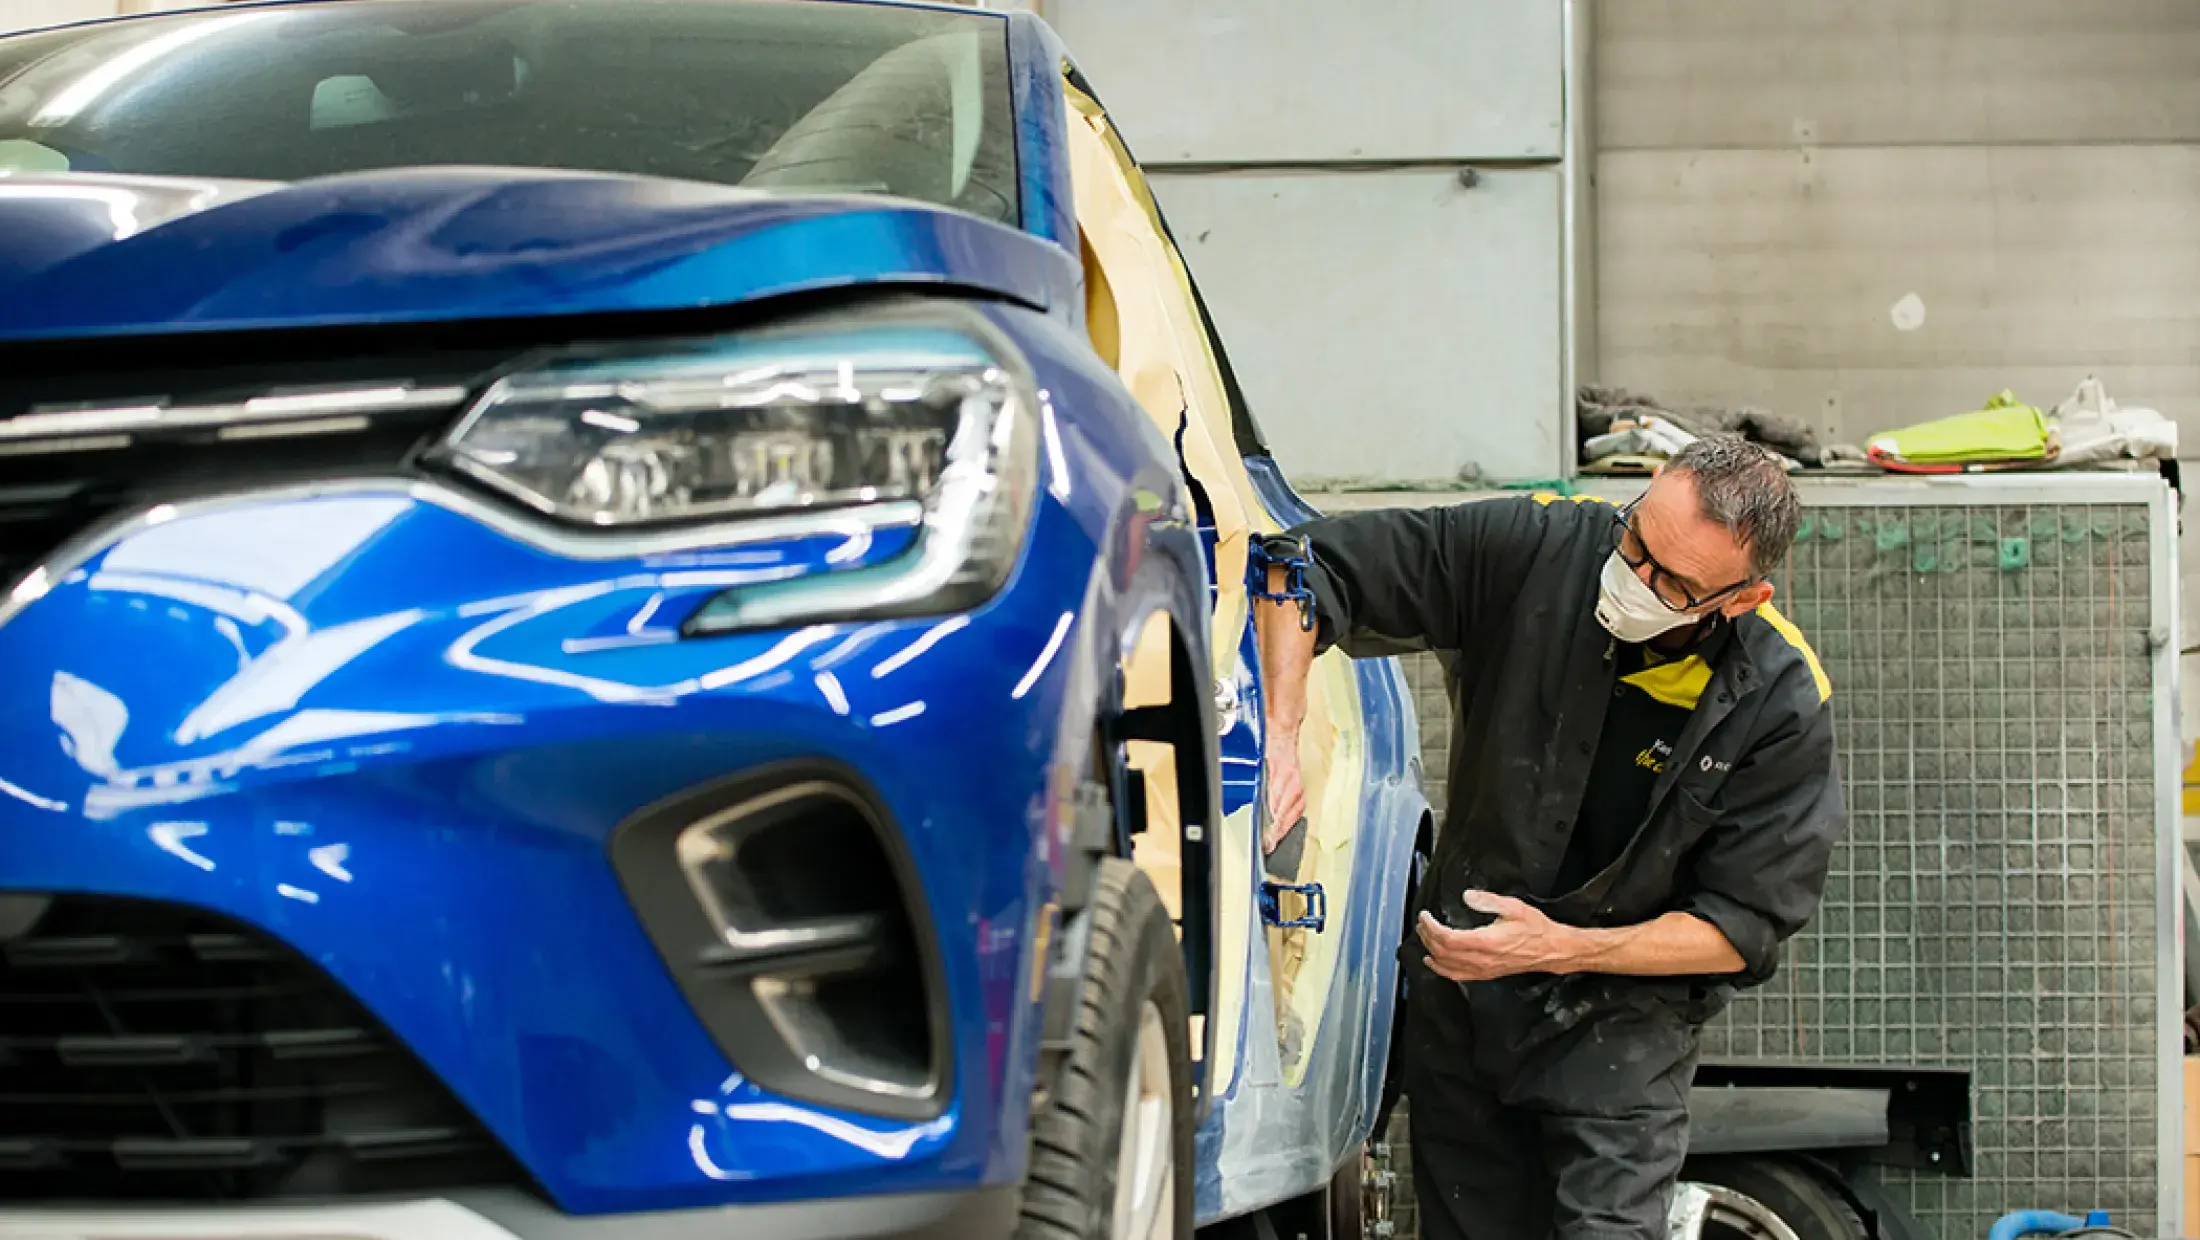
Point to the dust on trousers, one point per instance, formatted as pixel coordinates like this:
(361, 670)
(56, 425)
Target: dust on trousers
(1546, 1106)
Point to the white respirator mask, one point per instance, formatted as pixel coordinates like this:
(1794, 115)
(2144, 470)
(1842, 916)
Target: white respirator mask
(1629, 609)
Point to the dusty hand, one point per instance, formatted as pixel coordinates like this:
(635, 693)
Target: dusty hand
(1521, 940)
(1286, 796)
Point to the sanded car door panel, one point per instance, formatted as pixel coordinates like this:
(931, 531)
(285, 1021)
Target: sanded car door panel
(1144, 316)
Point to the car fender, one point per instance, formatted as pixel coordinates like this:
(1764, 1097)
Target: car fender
(1112, 470)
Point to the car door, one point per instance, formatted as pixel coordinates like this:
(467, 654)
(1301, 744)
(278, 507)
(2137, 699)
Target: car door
(1146, 319)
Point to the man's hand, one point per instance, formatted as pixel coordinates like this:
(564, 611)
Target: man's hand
(1521, 940)
(1286, 652)
(1286, 792)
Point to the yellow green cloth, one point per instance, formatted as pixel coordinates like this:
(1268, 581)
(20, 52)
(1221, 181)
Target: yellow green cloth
(2007, 429)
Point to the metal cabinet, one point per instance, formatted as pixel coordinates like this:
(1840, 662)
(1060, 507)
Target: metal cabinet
(1265, 81)
(1397, 325)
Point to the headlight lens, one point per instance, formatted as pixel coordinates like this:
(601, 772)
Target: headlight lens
(893, 420)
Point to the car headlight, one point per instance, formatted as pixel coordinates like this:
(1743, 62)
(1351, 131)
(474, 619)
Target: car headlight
(851, 426)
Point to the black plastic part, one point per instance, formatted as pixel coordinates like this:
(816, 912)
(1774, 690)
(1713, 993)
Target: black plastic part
(1167, 725)
(1199, 908)
(151, 1052)
(1182, 725)
(1092, 835)
(1754, 1119)
(1134, 810)
(1064, 995)
(1394, 1076)
(1146, 723)
(1928, 1109)
(719, 984)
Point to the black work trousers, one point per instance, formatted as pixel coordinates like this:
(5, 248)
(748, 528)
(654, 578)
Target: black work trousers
(1544, 1107)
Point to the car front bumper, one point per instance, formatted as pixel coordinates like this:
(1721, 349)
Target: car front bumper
(979, 1215)
(396, 732)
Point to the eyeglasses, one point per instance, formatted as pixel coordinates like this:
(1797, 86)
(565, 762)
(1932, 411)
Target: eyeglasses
(1663, 583)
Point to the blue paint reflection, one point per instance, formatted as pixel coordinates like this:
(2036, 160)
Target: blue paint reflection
(280, 678)
(245, 552)
(894, 1145)
(899, 714)
(699, 1150)
(32, 799)
(169, 837)
(818, 1139)
(306, 738)
(777, 656)
(1058, 481)
(836, 697)
(1046, 656)
(91, 721)
(329, 859)
(466, 652)
(925, 641)
(852, 645)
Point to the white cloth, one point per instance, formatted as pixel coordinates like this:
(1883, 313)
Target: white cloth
(2095, 429)
(1650, 435)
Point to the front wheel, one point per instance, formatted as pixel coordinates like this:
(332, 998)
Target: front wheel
(1111, 1150)
(1772, 1199)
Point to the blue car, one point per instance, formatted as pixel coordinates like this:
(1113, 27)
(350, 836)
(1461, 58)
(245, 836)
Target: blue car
(629, 618)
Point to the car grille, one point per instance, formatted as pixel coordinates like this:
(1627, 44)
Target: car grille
(150, 1052)
(83, 438)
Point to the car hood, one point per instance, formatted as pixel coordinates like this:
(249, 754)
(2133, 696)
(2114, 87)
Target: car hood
(96, 255)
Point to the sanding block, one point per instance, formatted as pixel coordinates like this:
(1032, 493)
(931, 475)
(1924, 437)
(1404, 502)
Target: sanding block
(1283, 863)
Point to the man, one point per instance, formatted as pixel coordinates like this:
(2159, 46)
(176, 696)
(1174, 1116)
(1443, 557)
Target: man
(1643, 802)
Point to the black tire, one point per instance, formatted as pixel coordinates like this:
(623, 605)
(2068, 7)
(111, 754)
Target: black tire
(1394, 1073)
(1812, 1208)
(1069, 1186)
(1348, 1198)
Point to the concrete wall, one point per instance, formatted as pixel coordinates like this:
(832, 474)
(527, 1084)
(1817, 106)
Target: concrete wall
(30, 14)
(1773, 177)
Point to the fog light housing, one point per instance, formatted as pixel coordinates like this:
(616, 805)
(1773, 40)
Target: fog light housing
(792, 922)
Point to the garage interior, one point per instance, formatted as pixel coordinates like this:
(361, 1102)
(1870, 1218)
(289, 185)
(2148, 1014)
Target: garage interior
(1445, 238)
(1860, 217)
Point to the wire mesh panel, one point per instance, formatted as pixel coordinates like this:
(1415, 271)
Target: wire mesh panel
(1993, 906)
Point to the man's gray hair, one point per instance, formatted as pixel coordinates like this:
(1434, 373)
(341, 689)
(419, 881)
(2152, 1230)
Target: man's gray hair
(1746, 490)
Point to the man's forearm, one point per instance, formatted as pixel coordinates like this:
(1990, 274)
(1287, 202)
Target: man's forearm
(1286, 652)
(1674, 945)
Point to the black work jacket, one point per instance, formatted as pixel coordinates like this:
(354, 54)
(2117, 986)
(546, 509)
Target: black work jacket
(1740, 826)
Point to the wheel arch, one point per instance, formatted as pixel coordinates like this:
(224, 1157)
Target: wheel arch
(1157, 586)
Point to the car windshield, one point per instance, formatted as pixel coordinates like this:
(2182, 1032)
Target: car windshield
(791, 96)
